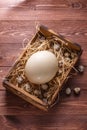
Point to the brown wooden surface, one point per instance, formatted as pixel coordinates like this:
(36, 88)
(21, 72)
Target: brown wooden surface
(18, 19)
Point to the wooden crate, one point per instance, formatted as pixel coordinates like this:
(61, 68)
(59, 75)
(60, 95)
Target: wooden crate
(44, 39)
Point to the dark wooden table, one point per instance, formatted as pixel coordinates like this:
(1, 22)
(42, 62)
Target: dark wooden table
(18, 19)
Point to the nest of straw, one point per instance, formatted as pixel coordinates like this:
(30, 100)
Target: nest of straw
(66, 59)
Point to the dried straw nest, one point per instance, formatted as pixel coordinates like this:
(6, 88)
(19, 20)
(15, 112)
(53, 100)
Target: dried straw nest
(66, 60)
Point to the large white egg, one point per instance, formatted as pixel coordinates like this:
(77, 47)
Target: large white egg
(41, 67)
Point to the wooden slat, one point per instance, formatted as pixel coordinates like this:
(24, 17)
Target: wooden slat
(39, 122)
(8, 106)
(17, 31)
(43, 14)
(48, 4)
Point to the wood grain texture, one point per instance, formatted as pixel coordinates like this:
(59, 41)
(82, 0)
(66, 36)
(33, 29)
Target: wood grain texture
(18, 19)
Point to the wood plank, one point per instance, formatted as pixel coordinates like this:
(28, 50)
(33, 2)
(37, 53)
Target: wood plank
(17, 31)
(36, 15)
(48, 4)
(10, 103)
(5, 55)
(39, 122)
